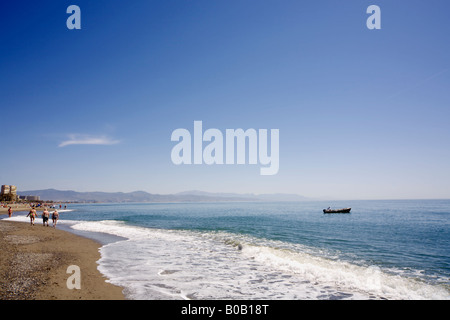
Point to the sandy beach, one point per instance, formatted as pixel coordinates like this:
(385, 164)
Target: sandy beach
(34, 262)
(18, 208)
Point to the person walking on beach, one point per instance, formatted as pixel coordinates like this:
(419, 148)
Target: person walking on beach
(45, 216)
(32, 215)
(10, 211)
(55, 217)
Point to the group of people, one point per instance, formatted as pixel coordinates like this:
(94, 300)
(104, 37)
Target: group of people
(45, 216)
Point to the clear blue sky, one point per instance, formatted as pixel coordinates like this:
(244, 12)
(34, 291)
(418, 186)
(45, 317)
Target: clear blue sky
(362, 114)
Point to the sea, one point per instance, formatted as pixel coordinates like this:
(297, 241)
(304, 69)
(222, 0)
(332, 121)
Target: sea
(383, 249)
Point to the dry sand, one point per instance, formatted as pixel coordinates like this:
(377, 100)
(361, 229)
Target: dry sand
(18, 207)
(34, 261)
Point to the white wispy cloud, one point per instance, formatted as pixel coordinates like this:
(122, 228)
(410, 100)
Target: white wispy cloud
(78, 139)
(419, 84)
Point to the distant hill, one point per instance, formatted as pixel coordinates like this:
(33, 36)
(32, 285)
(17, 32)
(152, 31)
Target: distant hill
(250, 196)
(142, 196)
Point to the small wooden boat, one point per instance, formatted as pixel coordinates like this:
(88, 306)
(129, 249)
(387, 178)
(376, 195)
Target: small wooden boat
(344, 210)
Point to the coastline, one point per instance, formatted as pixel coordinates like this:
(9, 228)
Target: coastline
(18, 208)
(34, 262)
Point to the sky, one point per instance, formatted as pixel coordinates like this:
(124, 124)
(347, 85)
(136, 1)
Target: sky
(361, 113)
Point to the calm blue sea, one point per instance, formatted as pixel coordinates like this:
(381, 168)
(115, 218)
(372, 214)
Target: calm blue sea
(396, 249)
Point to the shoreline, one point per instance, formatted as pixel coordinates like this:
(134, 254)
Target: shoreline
(20, 208)
(34, 262)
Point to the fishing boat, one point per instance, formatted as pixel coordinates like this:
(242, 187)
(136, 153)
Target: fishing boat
(344, 210)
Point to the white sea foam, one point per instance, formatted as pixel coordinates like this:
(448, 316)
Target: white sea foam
(174, 264)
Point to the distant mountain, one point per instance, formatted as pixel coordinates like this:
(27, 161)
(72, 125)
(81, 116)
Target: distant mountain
(216, 194)
(142, 196)
(282, 197)
(249, 196)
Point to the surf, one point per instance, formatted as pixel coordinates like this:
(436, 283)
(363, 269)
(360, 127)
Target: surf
(184, 264)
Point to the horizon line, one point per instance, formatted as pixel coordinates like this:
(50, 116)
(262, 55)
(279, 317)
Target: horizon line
(243, 194)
